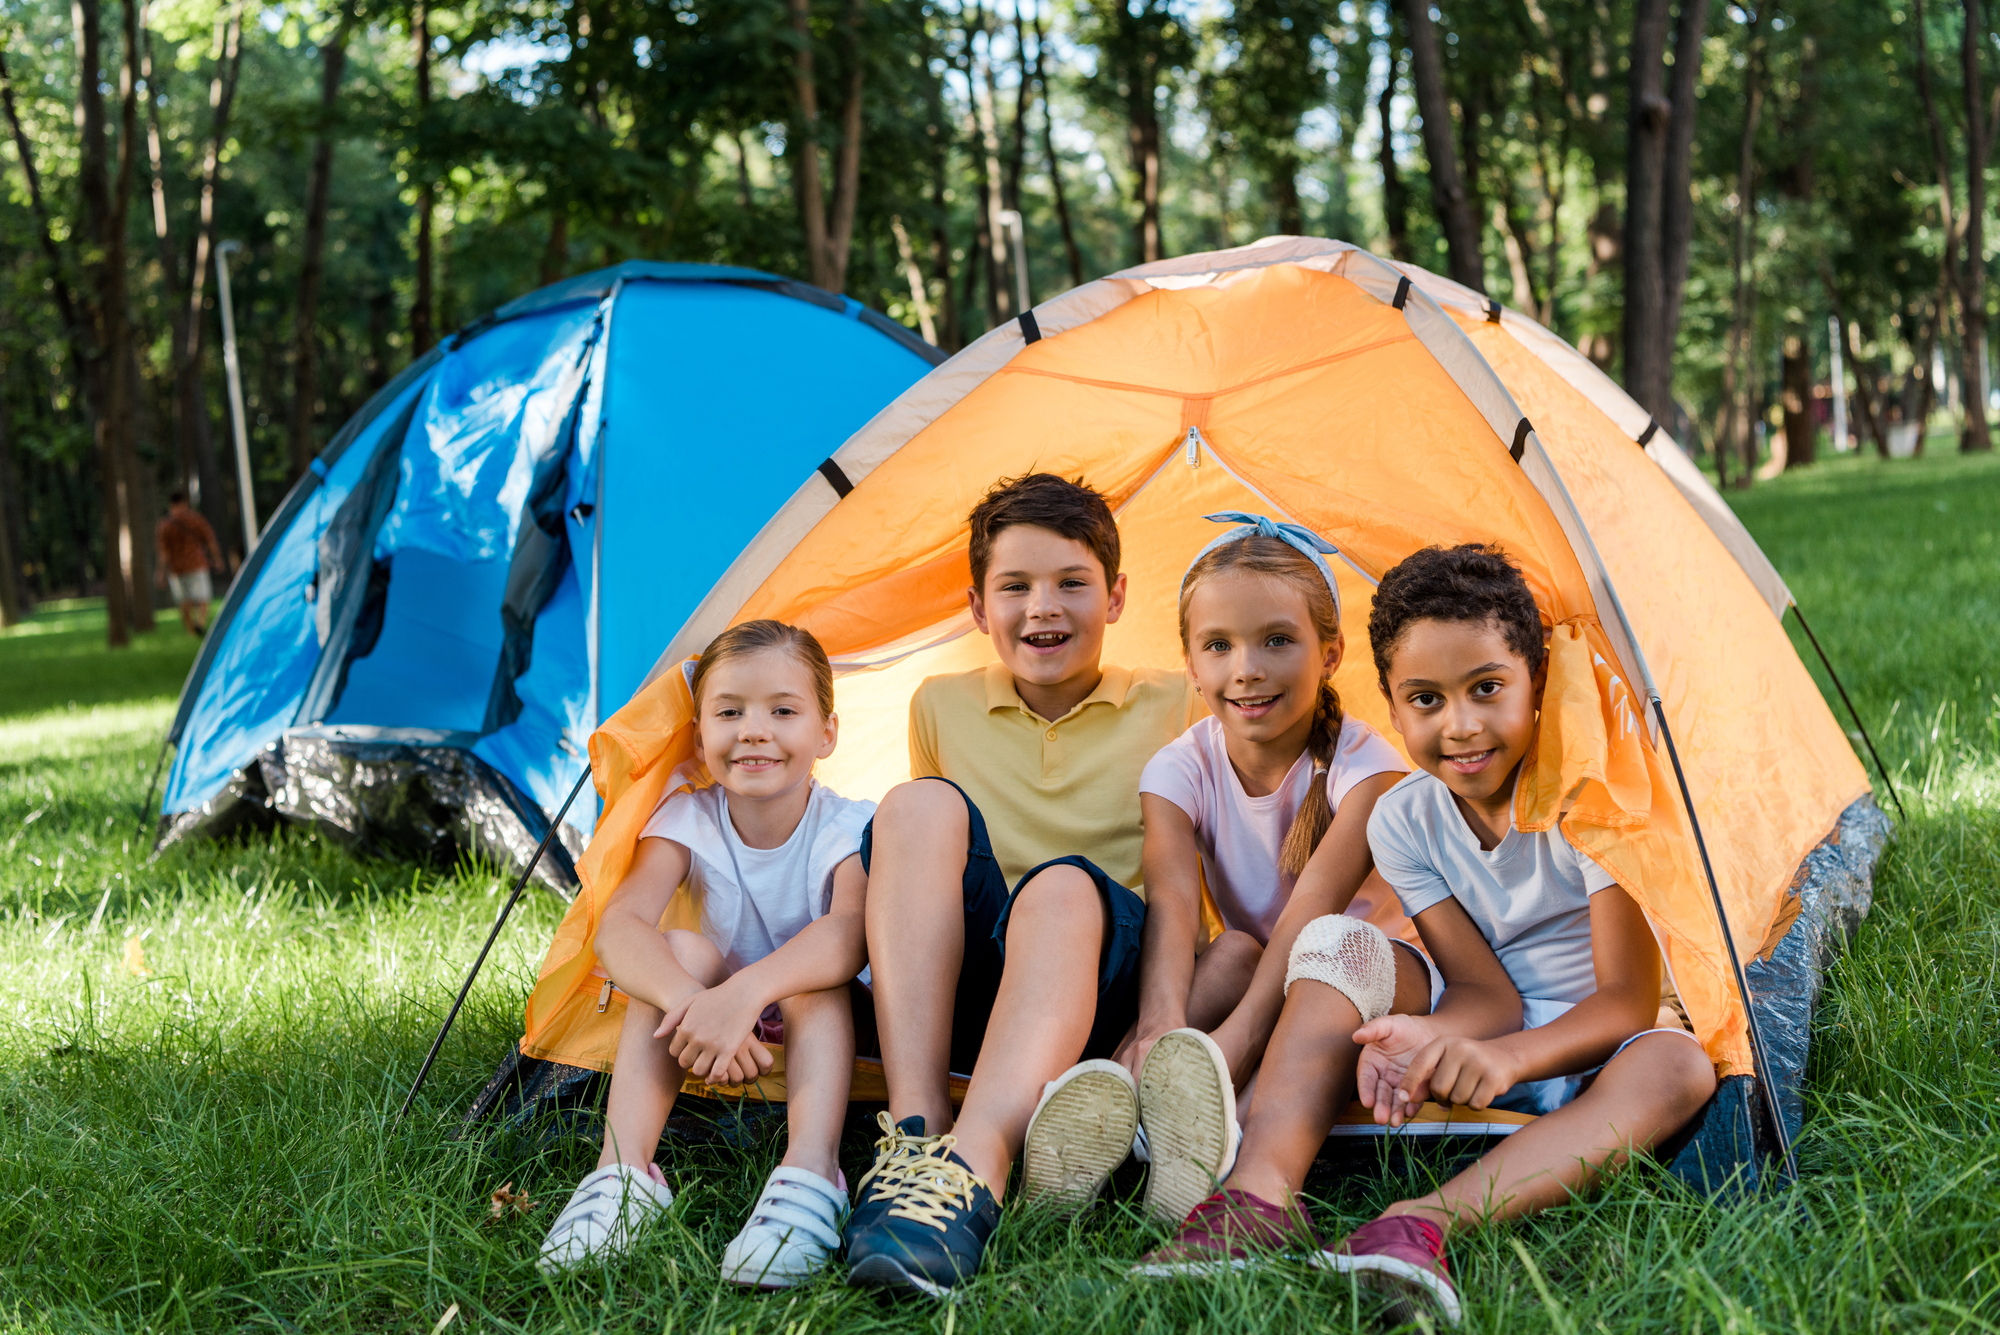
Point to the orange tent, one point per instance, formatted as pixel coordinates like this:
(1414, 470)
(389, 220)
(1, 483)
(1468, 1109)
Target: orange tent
(1387, 409)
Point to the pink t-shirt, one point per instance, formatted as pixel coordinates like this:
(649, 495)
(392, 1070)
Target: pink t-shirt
(1241, 835)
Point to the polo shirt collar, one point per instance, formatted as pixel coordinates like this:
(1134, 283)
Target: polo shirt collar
(1000, 692)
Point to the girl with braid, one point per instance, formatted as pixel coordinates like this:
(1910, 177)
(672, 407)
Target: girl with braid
(1265, 803)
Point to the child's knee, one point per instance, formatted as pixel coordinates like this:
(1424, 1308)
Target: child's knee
(698, 955)
(924, 808)
(805, 1007)
(1233, 950)
(1350, 956)
(1062, 896)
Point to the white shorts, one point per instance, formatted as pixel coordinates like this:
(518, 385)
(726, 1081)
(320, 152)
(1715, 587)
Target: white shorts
(1545, 1096)
(193, 587)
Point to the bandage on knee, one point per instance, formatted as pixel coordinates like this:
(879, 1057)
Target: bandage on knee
(1350, 956)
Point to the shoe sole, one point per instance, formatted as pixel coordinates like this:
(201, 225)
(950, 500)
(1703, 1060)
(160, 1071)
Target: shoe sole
(1412, 1290)
(1185, 1103)
(1199, 1269)
(885, 1272)
(1083, 1132)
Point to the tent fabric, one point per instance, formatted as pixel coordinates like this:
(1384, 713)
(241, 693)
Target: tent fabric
(1315, 383)
(494, 550)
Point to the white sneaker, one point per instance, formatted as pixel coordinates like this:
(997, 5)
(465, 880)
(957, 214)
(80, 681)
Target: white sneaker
(1081, 1130)
(1188, 1104)
(793, 1229)
(606, 1211)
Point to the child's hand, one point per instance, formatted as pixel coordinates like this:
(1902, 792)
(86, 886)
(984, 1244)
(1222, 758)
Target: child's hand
(710, 1030)
(1456, 1070)
(751, 1060)
(1392, 1044)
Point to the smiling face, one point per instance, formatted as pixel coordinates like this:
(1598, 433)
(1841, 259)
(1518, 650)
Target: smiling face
(760, 726)
(1465, 703)
(1046, 602)
(1255, 656)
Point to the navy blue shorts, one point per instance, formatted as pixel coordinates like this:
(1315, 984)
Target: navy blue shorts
(988, 904)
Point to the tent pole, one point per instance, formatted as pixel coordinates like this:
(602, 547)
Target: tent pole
(520, 884)
(1758, 1061)
(153, 783)
(1852, 712)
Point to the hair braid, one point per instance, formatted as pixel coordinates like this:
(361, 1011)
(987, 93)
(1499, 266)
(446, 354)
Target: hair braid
(1315, 816)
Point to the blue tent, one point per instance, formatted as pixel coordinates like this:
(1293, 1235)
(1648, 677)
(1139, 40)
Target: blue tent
(487, 560)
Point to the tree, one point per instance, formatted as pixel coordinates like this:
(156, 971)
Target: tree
(1139, 43)
(828, 239)
(312, 264)
(1449, 195)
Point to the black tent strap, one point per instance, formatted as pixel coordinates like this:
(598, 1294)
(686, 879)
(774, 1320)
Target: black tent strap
(1759, 1064)
(1652, 430)
(1031, 331)
(836, 477)
(1852, 713)
(1402, 292)
(1492, 310)
(1520, 445)
(451, 1016)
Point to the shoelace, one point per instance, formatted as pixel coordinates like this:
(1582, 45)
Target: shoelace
(912, 1171)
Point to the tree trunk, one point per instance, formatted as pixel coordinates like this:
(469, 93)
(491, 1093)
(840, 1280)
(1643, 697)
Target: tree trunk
(999, 295)
(312, 259)
(1448, 192)
(1070, 251)
(1741, 265)
(191, 403)
(555, 251)
(847, 162)
(423, 306)
(1864, 391)
(1142, 136)
(10, 531)
(137, 549)
(1676, 199)
(1976, 437)
(1291, 217)
(951, 337)
(1648, 361)
(1395, 197)
(1801, 436)
(1950, 277)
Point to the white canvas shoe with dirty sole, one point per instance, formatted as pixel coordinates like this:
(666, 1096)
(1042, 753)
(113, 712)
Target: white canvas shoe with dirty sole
(1081, 1130)
(1187, 1103)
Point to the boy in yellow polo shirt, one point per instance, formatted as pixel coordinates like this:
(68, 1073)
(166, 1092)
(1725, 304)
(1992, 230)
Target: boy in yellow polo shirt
(1025, 774)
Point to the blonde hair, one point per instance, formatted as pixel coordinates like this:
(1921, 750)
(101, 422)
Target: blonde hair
(756, 636)
(1255, 554)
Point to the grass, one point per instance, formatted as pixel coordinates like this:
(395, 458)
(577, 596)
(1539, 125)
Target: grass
(201, 1055)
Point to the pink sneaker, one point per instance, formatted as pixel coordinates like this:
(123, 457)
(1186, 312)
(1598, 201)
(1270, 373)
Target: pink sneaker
(1401, 1257)
(1232, 1230)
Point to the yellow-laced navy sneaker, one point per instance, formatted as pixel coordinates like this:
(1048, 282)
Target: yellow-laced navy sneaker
(922, 1218)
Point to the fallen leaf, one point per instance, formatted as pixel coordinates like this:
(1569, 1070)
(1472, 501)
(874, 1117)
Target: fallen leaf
(135, 958)
(508, 1200)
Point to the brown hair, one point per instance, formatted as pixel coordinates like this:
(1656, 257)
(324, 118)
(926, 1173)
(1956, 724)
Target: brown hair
(1072, 508)
(1256, 554)
(756, 636)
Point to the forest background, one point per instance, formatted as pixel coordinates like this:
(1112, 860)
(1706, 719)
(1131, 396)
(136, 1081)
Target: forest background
(1710, 200)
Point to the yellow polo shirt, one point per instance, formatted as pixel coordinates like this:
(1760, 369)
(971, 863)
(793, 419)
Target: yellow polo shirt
(1051, 789)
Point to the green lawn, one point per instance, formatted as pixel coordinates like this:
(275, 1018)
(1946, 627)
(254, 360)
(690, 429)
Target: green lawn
(201, 1056)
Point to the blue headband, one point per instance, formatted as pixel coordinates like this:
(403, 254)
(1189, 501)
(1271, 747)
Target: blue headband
(1292, 535)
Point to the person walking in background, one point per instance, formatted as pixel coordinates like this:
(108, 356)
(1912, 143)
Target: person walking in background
(188, 550)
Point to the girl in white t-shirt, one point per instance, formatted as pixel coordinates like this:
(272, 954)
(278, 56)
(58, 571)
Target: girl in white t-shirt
(1266, 803)
(772, 857)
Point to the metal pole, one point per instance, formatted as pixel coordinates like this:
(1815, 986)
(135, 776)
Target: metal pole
(1011, 220)
(520, 884)
(1758, 1063)
(1853, 713)
(229, 363)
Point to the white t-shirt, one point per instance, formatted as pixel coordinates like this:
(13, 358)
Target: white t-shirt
(1241, 835)
(1529, 895)
(753, 900)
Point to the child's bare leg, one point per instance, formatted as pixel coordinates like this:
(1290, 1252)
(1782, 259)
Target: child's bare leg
(915, 919)
(819, 1066)
(1041, 1017)
(1645, 1094)
(1222, 974)
(1313, 1053)
(646, 1077)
